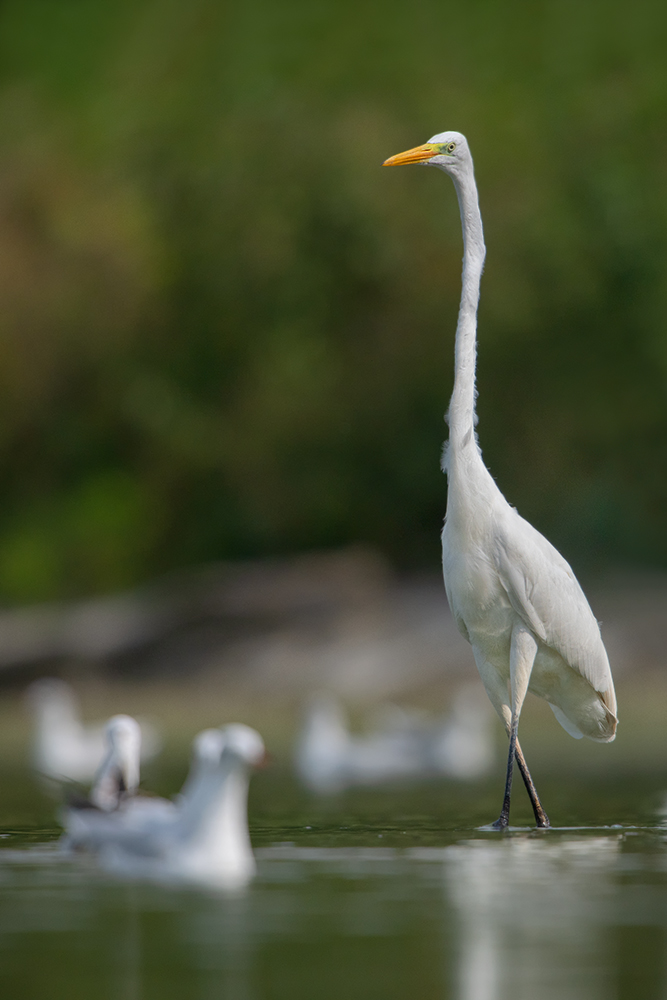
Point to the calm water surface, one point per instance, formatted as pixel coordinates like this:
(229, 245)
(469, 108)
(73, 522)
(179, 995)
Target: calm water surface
(349, 904)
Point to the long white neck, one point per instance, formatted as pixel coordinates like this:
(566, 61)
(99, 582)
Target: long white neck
(461, 416)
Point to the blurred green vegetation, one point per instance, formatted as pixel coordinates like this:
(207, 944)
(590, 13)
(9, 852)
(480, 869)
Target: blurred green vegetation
(225, 332)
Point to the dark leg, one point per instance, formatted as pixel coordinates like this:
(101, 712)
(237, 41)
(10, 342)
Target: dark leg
(541, 817)
(504, 818)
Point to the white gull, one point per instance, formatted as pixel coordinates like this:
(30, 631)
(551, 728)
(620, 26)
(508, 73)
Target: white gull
(64, 748)
(202, 837)
(405, 746)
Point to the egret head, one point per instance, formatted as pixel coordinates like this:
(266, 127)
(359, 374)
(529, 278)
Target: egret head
(447, 150)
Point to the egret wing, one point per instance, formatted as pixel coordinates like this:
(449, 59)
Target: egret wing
(545, 593)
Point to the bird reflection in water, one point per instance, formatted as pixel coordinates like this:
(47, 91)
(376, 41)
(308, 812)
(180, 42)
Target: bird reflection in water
(531, 917)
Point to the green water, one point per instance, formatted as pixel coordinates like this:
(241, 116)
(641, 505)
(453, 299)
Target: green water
(384, 894)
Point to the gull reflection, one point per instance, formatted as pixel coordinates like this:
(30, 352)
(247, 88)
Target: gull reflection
(530, 916)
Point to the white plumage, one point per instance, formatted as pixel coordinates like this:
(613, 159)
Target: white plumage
(403, 746)
(118, 776)
(514, 597)
(202, 837)
(64, 748)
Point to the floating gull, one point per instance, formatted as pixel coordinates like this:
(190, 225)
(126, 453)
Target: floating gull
(405, 746)
(64, 748)
(202, 837)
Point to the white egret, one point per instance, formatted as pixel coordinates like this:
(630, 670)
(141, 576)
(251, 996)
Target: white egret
(515, 599)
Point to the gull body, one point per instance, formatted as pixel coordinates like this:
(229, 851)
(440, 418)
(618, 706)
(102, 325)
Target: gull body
(404, 745)
(63, 748)
(329, 757)
(513, 596)
(202, 837)
(463, 746)
(92, 824)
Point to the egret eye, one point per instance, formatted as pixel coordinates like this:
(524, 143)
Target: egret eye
(450, 147)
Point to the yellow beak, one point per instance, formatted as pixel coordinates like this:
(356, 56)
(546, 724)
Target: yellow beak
(416, 155)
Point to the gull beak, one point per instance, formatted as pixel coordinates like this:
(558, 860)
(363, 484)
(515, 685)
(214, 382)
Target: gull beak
(420, 154)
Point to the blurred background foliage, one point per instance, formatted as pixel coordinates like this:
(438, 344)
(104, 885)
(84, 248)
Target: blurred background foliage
(225, 332)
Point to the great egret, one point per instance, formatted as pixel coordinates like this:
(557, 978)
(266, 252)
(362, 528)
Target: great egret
(515, 599)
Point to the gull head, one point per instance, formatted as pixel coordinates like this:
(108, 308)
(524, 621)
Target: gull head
(208, 746)
(244, 743)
